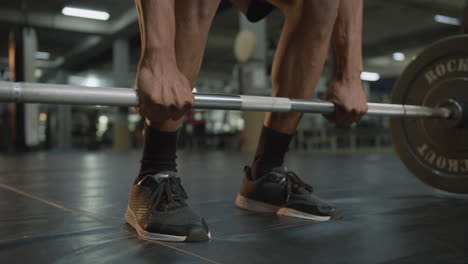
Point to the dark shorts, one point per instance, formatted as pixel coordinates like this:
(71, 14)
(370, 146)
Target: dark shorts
(258, 9)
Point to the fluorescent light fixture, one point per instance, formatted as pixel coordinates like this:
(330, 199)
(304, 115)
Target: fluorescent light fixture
(85, 13)
(42, 55)
(398, 56)
(370, 76)
(447, 20)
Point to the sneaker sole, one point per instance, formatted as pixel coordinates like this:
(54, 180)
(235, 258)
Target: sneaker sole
(131, 220)
(260, 207)
(255, 206)
(294, 213)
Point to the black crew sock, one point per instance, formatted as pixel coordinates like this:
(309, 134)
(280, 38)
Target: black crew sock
(159, 152)
(271, 149)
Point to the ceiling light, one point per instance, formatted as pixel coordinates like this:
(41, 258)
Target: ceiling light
(370, 76)
(42, 55)
(85, 13)
(447, 20)
(399, 56)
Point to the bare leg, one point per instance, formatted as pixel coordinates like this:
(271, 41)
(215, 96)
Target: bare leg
(296, 69)
(193, 21)
(298, 63)
(300, 55)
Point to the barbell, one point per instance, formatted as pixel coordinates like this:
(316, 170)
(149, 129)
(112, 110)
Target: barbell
(429, 106)
(110, 96)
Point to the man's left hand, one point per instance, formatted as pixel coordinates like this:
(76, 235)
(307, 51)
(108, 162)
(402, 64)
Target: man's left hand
(350, 102)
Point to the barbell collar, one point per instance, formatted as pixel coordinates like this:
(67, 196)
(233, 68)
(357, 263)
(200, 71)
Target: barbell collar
(459, 118)
(82, 95)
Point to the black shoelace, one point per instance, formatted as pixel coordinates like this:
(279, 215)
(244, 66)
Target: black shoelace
(169, 191)
(294, 184)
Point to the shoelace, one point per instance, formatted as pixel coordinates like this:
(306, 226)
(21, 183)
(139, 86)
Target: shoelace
(169, 190)
(293, 182)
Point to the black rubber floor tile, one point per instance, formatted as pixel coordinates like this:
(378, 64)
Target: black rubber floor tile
(75, 212)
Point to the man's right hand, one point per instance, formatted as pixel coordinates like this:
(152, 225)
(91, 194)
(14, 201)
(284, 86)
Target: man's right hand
(164, 92)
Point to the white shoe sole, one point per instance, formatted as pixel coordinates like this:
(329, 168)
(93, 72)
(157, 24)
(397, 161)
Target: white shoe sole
(294, 213)
(260, 207)
(131, 220)
(255, 206)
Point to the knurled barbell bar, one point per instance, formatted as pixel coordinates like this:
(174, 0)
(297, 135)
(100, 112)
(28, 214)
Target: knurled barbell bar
(82, 95)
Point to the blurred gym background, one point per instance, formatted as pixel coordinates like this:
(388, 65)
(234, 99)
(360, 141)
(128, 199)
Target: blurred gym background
(67, 42)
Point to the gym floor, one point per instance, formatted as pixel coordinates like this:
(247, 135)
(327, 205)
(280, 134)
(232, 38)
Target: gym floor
(68, 208)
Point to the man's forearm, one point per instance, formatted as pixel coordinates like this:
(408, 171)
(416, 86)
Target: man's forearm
(347, 40)
(157, 27)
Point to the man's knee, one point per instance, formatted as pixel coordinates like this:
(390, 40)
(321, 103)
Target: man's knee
(200, 11)
(207, 9)
(312, 10)
(318, 14)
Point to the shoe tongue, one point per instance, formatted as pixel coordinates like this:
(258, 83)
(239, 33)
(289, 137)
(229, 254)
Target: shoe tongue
(278, 172)
(153, 180)
(280, 169)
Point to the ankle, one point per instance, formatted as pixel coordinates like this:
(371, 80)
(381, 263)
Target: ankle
(164, 126)
(261, 167)
(272, 148)
(159, 152)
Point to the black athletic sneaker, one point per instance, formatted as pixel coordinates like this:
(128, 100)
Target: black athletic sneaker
(158, 211)
(282, 192)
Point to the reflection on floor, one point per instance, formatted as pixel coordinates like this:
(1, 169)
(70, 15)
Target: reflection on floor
(68, 208)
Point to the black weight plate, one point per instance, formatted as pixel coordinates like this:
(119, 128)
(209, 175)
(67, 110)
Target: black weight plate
(434, 151)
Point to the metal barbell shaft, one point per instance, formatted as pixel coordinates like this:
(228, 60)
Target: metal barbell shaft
(81, 95)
